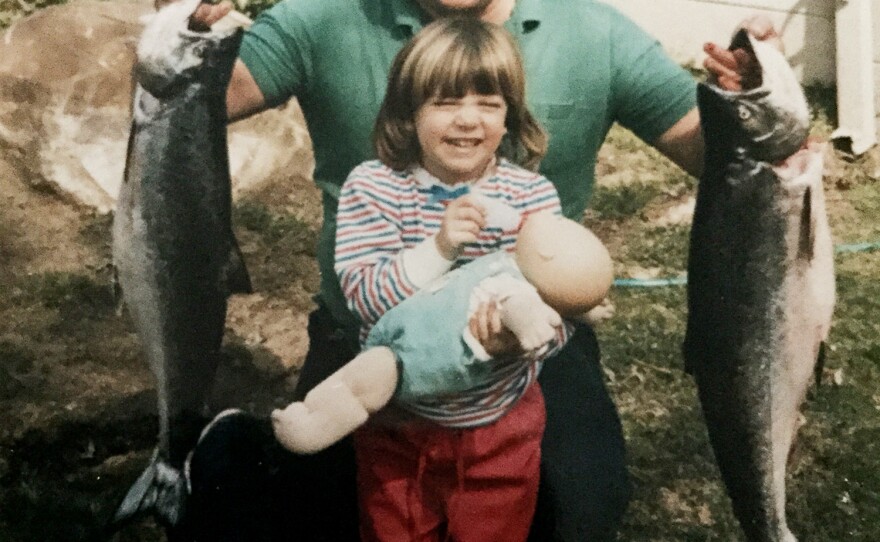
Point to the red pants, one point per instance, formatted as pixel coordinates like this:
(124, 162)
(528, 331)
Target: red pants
(425, 483)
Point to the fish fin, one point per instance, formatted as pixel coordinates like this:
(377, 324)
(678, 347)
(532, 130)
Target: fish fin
(820, 364)
(235, 276)
(807, 230)
(161, 490)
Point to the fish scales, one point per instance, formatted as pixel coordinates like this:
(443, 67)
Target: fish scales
(174, 251)
(760, 285)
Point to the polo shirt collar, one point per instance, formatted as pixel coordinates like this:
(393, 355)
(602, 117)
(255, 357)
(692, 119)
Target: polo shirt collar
(526, 16)
(408, 14)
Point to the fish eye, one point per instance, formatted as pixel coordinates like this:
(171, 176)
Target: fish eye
(744, 113)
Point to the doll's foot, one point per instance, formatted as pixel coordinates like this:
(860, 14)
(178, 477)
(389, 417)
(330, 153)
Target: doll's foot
(293, 428)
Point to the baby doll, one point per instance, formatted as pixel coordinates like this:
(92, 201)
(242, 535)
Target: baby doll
(559, 269)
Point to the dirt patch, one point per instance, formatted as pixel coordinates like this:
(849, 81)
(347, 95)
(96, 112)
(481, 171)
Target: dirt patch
(77, 403)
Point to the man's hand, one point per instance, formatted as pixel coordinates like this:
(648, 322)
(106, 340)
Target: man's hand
(205, 15)
(462, 222)
(736, 70)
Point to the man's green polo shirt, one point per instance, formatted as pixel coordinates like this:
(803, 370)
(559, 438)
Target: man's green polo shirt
(587, 66)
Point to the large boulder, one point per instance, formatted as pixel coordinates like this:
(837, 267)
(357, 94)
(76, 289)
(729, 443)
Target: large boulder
(65, 100)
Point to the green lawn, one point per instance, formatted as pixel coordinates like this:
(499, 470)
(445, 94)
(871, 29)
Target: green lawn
(834, 474)
(834, 484)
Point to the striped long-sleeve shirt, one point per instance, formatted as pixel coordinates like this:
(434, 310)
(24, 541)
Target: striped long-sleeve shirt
(385, 214)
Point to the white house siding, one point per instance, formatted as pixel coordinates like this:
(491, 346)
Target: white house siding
(682, 26)
(876, 26)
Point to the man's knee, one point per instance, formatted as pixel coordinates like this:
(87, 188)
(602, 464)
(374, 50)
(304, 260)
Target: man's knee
(585, 487)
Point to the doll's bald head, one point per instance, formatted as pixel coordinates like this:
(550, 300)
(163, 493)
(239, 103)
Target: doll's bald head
(569, 266)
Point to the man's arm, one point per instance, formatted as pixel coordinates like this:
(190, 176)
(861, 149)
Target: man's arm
(243, 97)
(683, 143)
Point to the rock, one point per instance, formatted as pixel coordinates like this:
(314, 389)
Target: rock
(275, 334)
(65, 93)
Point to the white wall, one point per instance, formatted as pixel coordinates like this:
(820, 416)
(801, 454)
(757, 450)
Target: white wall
(682, 26)
(876, 25)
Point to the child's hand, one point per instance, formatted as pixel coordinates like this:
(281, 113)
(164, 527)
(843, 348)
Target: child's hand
(485, 325)
(462, 222)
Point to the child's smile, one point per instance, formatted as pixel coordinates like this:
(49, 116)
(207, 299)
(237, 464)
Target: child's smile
(460, 136)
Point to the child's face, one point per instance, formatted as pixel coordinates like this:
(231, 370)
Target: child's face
(459, 136)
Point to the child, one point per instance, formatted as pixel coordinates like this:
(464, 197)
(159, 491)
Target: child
(453, 121)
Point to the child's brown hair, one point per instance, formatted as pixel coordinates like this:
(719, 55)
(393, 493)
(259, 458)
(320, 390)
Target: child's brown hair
(448, 59)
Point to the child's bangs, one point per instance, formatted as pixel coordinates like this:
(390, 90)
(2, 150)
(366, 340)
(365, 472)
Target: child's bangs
(462, 71)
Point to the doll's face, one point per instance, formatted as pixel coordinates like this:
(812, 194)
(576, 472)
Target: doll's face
(568, 265)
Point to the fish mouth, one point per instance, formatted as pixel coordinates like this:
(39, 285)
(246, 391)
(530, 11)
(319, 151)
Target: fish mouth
(169, 52)
(753, 74)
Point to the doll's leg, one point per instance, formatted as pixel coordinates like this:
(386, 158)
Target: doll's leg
(338, 405)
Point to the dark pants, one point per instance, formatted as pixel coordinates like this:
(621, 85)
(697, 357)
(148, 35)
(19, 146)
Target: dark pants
(584, 486)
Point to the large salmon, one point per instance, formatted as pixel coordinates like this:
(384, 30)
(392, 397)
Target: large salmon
(175, 255)
(760, 283)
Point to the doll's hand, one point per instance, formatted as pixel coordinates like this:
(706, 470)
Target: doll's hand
(601, 312)
(485, 325)
(461, 224)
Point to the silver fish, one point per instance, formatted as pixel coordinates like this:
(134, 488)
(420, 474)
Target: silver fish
(760, 283)
(174, 251)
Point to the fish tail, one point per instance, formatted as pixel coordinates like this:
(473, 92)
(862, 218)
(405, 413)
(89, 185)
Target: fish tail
(160, 490)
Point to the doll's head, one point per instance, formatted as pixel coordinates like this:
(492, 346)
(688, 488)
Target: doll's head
(569, 266)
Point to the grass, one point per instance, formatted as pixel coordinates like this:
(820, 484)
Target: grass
(12, 10)
(834, 474)
(834, 477)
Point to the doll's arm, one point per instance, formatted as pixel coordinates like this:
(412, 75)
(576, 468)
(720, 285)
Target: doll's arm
(520, 309)
(532, 321)
(338, 405)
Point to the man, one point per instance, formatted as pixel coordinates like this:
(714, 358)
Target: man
(587, 67)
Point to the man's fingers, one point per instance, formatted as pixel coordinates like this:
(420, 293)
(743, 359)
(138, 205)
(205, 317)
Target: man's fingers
(726, 78)
(730, 83)
(718, 69)
(720, 55)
